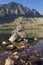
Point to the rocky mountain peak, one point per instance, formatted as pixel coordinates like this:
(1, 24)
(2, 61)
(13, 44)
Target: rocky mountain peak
(9, 12)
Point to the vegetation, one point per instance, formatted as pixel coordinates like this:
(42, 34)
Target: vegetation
(33, 26)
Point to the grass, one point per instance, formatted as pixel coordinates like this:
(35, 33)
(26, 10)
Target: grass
(33, 23)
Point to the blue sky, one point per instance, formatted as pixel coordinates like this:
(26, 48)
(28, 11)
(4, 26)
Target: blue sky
(36, 4)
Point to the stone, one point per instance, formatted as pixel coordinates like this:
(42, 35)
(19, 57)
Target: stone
(16, 56)
(20, 28)
(18, 34)
(15, 53)
(4, 43)
(35, 39)
(10, 47)
(9, 61)
(25, 40)
(13, 37)
(22, 34)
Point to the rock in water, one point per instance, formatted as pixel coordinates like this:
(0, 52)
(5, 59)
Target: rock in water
(9, 60)
(22, 34)
(20, 31)
(4, 44)
(13, 37)
(10, 47)
(18, 34)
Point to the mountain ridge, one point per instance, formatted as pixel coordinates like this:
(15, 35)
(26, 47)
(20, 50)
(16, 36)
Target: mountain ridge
(9, 12)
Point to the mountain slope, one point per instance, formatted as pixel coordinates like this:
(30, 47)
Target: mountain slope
(9, 12)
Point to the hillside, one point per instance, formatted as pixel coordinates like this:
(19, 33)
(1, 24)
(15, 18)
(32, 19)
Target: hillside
(9, 12)
(34, 23)
(25, 21)
(33, 26)
(29, 21)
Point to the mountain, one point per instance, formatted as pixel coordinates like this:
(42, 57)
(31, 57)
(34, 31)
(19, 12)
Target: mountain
(9, 12)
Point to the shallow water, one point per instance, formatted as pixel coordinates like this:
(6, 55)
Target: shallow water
(25, 53)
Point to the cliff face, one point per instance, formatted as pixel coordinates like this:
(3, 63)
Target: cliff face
(9, 12)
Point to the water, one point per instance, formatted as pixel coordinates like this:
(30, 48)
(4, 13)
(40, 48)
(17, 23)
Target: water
(36, 50)
(31, 51)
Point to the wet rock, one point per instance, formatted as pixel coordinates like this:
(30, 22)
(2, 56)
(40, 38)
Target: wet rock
(10, 47)
(13, 37)
(18, 34)
(21, 47)
(9, 60)
(4, 44)
(26, 40)
(15, 53)
(16, 57)
(22, 34)
(35, 39)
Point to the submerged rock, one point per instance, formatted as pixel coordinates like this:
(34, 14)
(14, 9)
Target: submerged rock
(9, 60)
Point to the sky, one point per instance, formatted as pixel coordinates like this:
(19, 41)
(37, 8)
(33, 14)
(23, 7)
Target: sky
(32, 4)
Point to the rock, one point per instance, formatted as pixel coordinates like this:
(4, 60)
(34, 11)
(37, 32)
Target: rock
(21, 31)
(9, 60)
(15, 53)
(25, 40)
(22, 61)
(22, 34)
(4, 44)
(16, 56)
(10, 47)
(35, 39)
(41, 58)
(13, 37)
(20, 28)
(14, 31)
(32, 58)
(21, 47)
(18, 34)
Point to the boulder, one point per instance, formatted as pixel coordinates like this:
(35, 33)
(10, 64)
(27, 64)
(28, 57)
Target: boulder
(18, 34)
(10, 47)
(9, 60)
(4, 44)
(15, 53)
(15, 38)
(26, 40)
(21, 31)
(16, 56)
(22, 34)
